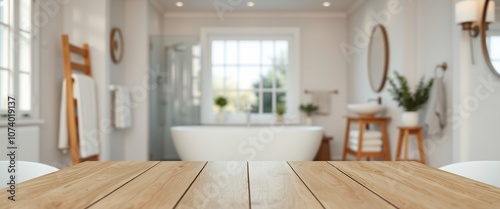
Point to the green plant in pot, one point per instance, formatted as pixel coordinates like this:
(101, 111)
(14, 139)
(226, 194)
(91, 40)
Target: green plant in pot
(309, 109)
(280, 111)
(410, 101)
(221, 102)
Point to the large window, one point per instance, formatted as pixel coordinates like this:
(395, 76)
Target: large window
(16, 72)
(250, 68)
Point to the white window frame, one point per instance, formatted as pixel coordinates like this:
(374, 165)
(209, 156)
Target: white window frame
(293, 73)
(33, 114)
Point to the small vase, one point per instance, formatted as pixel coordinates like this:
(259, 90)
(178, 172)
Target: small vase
(280, 119)
(221, 117)
(309, 121)
(410, 119)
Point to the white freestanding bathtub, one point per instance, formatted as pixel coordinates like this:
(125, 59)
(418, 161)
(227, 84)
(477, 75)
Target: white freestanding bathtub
(266, 143)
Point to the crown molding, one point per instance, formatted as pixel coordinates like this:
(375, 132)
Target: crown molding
(355, 6)
(256, 14)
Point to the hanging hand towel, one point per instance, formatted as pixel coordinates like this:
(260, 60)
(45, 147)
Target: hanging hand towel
(322, 100)
(435, 119)
(88, 133)
(122, 111)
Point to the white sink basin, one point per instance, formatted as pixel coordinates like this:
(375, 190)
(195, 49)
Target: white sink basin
(368, 109)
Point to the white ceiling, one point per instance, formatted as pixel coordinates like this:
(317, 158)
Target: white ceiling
(340, 6)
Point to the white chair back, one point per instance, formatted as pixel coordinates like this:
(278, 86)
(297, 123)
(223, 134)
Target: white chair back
(487, 172)
(24, 171)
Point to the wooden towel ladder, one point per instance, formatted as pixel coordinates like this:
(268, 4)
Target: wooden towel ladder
(70, 101)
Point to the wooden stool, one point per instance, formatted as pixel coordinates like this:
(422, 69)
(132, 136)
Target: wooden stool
(404, 135)
(324, 150)
(363, 122)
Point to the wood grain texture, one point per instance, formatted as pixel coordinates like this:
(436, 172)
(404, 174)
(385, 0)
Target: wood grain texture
(413, 185)
(334, 189)
(275, 185)
(75, 187)
(219, 185)
(160, 187)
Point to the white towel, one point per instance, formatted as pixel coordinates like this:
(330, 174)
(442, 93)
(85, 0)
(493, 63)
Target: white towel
(366, 134)
(88, 132)
(122, 110)
(366, 142)
(322, 100)
(435, 118)
(367, 148)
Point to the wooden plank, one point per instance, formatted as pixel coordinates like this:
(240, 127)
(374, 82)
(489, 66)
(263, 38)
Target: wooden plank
(79, 67)
(334, 189)
(411, 184)
(275, 185)
(77, 50)
(75, 187)
(160, 187)
(219, 185)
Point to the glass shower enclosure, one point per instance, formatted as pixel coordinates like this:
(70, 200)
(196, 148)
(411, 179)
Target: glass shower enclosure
(175, 66)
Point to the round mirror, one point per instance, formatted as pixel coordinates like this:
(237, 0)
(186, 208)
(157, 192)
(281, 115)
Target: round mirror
(378, 58)
(490, 36)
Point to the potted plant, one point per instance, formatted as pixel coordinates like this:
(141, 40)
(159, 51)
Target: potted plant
(280, 111)
(411, 102)
(309, 109)
(221, 102)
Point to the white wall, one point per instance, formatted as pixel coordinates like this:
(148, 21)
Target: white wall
(51, 76)
(477, 98)
(419, 35)
(322, 64)
(136, 77)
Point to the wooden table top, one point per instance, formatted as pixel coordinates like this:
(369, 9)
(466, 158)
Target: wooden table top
(252, 185)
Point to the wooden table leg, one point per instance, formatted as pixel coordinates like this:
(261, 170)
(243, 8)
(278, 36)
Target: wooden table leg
(400, 144)
(385, 137)
(421, 146)
(346, 140)
(360, 141)
(406, 142)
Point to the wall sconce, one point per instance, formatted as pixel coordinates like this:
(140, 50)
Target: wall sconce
(468, 14)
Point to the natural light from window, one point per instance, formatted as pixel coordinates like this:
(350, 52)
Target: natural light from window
(250, 71)
(16, 54)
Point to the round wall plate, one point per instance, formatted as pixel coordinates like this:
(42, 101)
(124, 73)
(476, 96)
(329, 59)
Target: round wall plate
(117, 48)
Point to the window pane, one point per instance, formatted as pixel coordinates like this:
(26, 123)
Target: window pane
(249, 97)
(232, 101)
(25, 52)
(249, 78)
(280, 75)
(267, 103)
(4, 87)
(281, 52)
(4, 47)
(218, 52)
(267, 77)
(25, 15)
(232, 52)
(231, 78)
(281, 98)
(267, 52)
(217, 77)
(24, 92)
(249, 52)
(4, 11)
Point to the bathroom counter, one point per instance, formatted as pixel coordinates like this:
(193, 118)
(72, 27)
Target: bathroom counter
(252, 184)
